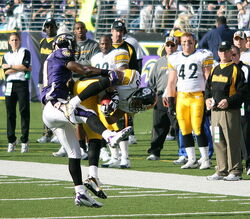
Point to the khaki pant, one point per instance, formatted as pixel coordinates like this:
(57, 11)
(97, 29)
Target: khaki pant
(228, 148)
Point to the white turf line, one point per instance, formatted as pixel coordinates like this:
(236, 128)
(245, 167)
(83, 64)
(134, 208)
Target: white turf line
(110, 196)
(144, 215)
(129, 178)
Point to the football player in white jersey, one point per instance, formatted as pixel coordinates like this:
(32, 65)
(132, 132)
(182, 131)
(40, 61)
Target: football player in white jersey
(109, 57)
(188, 70)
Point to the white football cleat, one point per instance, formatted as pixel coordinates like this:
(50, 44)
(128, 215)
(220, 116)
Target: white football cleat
(170, 138)
(180, 160)
(125, 163)
(60, 153)
(191, 164)
(11, 147)
(113, 163)
(205, 164)
(114, 140)
(54, 139)
(86, 200)
(153, 157)
(132, 139)
(24, 148)
(94, 185)
(232, 177)
(104, 154)
(43, 139)
(215, 177)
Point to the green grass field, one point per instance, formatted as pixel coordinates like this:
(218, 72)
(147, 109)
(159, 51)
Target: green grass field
(22, 197)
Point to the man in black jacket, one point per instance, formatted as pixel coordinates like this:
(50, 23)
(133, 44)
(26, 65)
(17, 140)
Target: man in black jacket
(224, 94)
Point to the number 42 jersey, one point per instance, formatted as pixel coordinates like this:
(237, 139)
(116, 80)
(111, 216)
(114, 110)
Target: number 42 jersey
(189, 69)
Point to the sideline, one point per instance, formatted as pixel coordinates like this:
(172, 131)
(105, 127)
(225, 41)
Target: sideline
(129, 178)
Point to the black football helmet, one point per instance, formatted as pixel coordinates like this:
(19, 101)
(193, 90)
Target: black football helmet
(48, 22)
(142, 99)
(65, 40)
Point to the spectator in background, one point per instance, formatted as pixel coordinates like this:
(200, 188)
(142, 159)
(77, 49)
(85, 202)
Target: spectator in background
(146, 16)
(46, 48)
(107, 13)
(240, 40)
(248, 39)
(19, 14)
(41, 11)
(16, 66)
(158, 80)
(212, 39)
(243, 13)
(122, 8)
(8, 12)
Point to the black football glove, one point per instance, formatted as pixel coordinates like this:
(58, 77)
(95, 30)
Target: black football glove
(171, 106)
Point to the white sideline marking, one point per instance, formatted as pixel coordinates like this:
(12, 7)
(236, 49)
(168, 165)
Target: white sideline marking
(203, 196)
(118, 189)
(54, 184)
(112, 196)
(33, 199)
(229, 200)
(144, 191)
(133, 178)
(28, 182)
(144, 215)
(4, 177)
(108, 188)
(244, 203)
(17, 179)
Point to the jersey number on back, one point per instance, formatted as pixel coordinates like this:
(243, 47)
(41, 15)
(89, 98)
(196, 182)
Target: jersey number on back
(105, 65)
(193, 67)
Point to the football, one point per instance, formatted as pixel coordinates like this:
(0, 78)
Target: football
(105, 99)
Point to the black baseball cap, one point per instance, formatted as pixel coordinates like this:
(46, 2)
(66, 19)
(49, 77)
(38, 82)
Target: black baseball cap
(224, 46)
(118, 25)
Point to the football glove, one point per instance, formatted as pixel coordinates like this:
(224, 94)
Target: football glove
(171, 107)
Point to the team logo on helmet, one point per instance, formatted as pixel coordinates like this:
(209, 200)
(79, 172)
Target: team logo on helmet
(65, 40)
(142, 99)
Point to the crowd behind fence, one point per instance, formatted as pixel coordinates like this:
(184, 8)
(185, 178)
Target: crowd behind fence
(140, 15)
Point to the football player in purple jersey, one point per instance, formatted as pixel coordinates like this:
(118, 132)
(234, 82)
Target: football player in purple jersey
(60, 113)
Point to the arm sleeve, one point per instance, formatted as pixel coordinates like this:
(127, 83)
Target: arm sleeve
(27, 58)
(208, 93)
